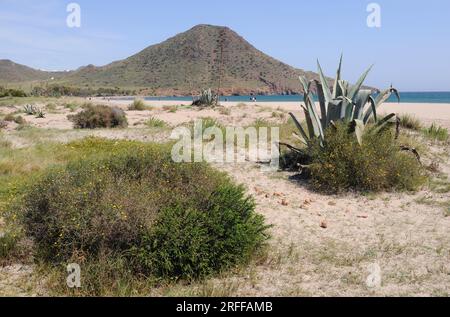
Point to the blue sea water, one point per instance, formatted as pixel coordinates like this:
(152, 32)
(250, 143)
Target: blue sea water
(406, 97)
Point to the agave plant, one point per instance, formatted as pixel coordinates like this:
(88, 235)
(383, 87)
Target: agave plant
(347, 103)
(207, 99)
(40, 114)
(29, 110)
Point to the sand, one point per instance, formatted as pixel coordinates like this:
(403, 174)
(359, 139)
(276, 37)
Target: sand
(427, 112)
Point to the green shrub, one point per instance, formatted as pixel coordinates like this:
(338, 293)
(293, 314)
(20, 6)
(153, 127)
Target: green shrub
(409, 122)
(137, 105)
(130, 201)
(436, 133)
(378, 164)
(93, 117)
(155, 123)
(71, 106)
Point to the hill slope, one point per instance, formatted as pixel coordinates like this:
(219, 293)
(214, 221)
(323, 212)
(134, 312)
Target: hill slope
(192, 61)
(11, 72)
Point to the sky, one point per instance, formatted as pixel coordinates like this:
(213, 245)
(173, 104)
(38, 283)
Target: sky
(411, 49)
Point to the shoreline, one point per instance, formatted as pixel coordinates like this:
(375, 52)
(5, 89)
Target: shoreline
(427, 112)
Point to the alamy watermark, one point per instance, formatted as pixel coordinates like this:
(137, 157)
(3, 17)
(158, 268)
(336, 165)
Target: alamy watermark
(373, 281)
(74, 278)
(374, 17)
(227, 145)
(74, 18)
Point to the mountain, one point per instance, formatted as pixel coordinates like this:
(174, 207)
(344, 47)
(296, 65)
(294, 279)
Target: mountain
(185, 64)
(11, 72)
(192, 61)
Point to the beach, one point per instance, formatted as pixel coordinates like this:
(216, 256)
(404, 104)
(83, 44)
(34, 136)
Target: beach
(321, 245)
(429, 113)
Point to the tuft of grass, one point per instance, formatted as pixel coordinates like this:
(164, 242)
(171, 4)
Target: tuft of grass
(8, 245)
(155, 123)
(71, 106)
(410, 122)
(436, 133)
(137, 105)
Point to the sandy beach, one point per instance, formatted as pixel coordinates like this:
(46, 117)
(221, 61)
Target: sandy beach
(405, 234)
(426, 112)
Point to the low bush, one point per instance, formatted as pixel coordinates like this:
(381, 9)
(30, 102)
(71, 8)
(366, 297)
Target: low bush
(378, 164)
(20, 120)
(130, 202)
(71, 106)
(99, 116)
(137, 105)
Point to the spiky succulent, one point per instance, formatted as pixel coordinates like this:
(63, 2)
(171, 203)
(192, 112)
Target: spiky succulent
(40, 114)
(207, 99)
(29, 110)
(347, 103)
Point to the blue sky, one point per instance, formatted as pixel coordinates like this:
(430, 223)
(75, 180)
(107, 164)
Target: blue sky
(411, 49)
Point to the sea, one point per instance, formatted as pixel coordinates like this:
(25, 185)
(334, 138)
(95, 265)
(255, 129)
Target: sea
(406, 97)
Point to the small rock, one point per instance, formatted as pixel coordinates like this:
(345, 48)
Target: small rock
(324, 224)
(284, 202)
(363, 216)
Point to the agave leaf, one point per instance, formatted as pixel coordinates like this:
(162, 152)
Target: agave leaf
(360, 101)
(349, 111)
(310, 125)
(358, 128)
(299, 127)
(385, 120)
(395, 91)
(304, 83)
(300, 138)
(371, 111)
(318, 130)
(344, 87)
(336, 88)
(334, 110)
(354, 90)
(325, 87)
(345, 102)
(382, 124)
(323, 103)
(385, 95)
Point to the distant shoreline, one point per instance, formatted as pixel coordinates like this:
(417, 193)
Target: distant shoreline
(406, 97)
